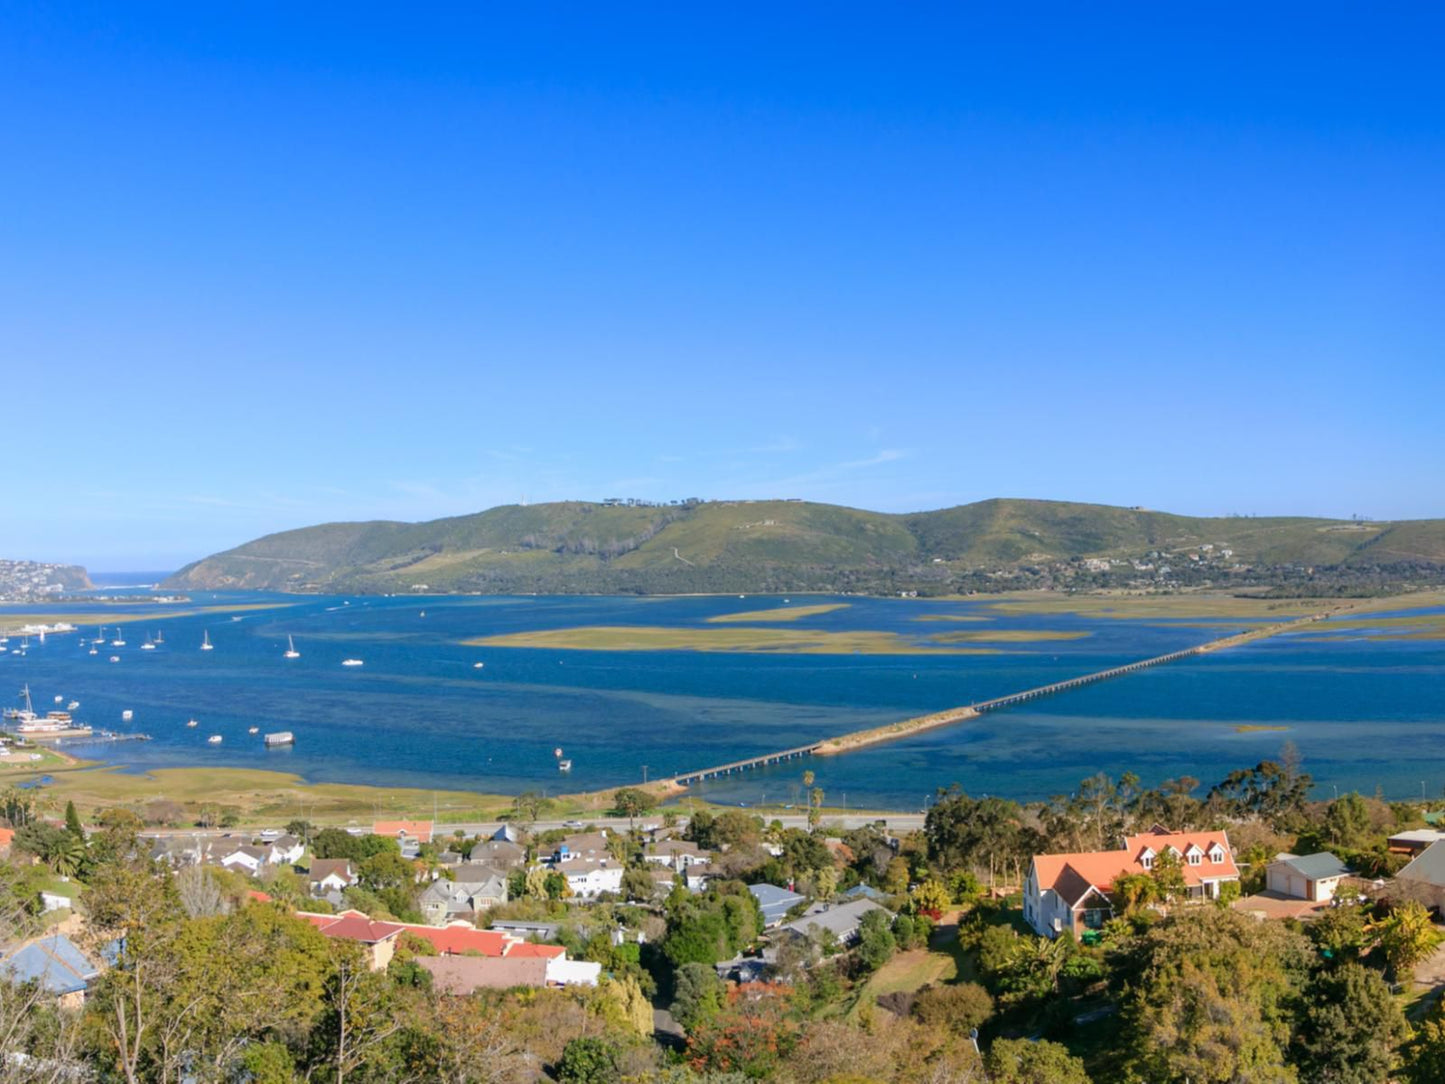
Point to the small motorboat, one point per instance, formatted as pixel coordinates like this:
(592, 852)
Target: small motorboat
(192, 722)
(127, 715)
(352, 662)
(254, 730)
(214, 739)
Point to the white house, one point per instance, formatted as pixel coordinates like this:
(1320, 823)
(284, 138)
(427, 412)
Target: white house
(590, 877)
(245, 857)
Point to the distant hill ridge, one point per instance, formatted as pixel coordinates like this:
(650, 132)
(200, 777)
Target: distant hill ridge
(582, 547)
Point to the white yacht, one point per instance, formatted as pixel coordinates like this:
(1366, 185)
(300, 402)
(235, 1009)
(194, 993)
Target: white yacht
(352, 662)
(214, 739)
(127, 715)
(291, 652)
(253, 730)
(478, 665)
(206, 641)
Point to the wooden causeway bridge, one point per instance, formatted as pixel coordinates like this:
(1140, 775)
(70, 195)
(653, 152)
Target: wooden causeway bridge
(982, 706)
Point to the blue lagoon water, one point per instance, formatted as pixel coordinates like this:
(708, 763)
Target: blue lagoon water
(1365, 713)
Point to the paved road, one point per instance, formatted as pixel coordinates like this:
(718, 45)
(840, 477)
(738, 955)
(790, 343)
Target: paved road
(898, 822)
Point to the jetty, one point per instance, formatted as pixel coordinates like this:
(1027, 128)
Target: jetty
(906, 727)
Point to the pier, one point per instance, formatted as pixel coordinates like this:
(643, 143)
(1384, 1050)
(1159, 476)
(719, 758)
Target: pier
(856, 740)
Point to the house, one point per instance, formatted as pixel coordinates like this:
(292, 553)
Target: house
(401, 831)
(506, 833)
(465, 975)
(445, 900)
(330, 875)
(841, 919)
(7, 837)
(676, 854)
(53, 961)
(564, 972)
(1071, 891)
(588, 878)
(698, 875)
(245, 858)
(377, 938)
(542, 931)
(1424, 878)
(585, 845)
(774, 902)
(498, 853)
(1313, 877)
(1414, 841)
(284, 851)
(864, 892)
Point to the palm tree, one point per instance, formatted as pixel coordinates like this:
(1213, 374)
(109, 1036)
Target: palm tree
(66, 855)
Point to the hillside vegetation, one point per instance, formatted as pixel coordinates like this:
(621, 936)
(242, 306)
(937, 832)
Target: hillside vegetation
(758, 546)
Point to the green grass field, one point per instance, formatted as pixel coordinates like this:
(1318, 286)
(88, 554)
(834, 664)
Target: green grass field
(1415, 627)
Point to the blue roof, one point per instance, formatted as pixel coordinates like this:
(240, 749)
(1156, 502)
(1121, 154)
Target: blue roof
(54, 962)
(865, 891)
(770, 895)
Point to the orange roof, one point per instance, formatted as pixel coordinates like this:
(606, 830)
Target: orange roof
(259, 897)
(417, 830)
(7, 837)
(457, 940)
(1070, 874)
(546, 952)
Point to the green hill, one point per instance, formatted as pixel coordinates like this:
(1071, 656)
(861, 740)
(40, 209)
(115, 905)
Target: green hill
(579, 547)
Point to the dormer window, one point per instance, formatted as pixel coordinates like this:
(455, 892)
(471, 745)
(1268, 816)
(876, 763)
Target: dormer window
(1216, 854)
(1146, 859)
(1195, 858)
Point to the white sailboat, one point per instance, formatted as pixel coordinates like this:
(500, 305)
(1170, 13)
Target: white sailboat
(206, 641)
(291, 652)
(149, 645)
(119, 640)
(100, 637)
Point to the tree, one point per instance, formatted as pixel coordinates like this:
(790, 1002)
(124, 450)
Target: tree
(1351, 1028)
(1425, 1054)
(931, 898)
(637, 884)
(589, 1060)
(1407, 938)
(1210, 992)
(1019, 1061)
(815, 806)
(527, 807)
(129, 904)
(199, 893)
(1134, 890)
(72, 822)
(1342, 932)
(631, 802)
(1347, 821)
(959, 1008)
(895, 880)
(697, 995)
(359, 1013)
(1168, 876)
(875, 939)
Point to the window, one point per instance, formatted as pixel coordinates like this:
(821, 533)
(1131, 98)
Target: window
(1195, 858)
(1217, 855)
(1147, 861)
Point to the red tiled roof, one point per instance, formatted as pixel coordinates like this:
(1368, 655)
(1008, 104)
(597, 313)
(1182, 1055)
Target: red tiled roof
(7, 837)
(459, 940)
(259, 897)
(360, 928)
(417, 830)
(1064, 872)
(545, 952)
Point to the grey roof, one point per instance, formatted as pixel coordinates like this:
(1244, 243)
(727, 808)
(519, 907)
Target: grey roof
(1428, 867)
(1418, 835)
(841, 918)
(1316, 867)
(774, 902)
(55, 962)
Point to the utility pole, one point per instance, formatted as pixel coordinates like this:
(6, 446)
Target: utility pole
(644, 778)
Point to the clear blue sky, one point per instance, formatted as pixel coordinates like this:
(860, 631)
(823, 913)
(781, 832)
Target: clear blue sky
(263, 266)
